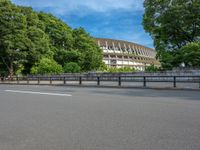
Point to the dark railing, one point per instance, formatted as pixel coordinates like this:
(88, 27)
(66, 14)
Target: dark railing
(80, 79)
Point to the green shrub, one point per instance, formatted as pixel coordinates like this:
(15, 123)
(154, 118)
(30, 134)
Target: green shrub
(46, 66)
(124, 69)
(72, 67)
(190, 54)
(151, 68)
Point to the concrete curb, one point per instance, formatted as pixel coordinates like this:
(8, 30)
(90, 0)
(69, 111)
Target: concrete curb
(103, 86)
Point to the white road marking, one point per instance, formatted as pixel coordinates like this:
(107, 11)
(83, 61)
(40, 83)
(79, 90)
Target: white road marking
(40, 93)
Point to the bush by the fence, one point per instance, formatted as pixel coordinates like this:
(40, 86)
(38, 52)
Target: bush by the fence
(72, 67)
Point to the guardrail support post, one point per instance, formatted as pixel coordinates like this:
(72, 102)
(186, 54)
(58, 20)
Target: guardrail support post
(50, 80)
(98, 81)
(119, 81)
(199, 82)
(174, 81)
(144, 82)
(27, 80)
(38, 80)
(17, 80)
(80, 80)
(64, 81)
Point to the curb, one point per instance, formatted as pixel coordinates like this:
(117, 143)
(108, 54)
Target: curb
(103, 86)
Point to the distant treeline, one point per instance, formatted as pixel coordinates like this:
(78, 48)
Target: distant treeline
(37, 42)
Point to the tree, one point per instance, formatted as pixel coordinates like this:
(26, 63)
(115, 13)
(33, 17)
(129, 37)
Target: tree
(60, 35)
(46, 66)
(91, 53)
(64, 56)
(27, 36)
(13, 40)
(190, 54)
(172, 24)
(3, 69)
(39, 47)
(72, 67)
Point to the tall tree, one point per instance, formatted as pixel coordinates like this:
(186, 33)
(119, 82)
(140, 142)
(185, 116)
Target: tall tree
(39, 45)
(13, 40)
(38, 48)
(91, 53)
(172, 23)
(59, 32)
(27, 36)
(60, 35)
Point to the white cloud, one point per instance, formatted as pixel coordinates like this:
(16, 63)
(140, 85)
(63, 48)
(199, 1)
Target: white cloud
(69, 6)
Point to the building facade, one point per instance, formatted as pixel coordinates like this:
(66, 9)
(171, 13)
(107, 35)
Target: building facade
(118, 53)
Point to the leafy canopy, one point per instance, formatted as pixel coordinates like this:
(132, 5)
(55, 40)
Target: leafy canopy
(190, 54)
(27, 36)
(13, 40)
(172, 24)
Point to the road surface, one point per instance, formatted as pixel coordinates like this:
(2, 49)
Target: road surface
(75, 118)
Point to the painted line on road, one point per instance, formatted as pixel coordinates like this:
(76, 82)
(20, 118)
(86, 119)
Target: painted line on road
(39, 93)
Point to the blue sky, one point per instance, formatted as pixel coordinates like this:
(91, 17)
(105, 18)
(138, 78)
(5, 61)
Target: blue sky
(117, 19)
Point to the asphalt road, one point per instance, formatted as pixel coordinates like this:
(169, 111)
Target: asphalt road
(66, 118)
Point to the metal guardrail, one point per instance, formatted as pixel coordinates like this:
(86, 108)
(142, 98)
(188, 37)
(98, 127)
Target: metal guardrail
(79, 79)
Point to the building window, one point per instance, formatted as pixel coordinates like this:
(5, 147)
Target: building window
(113, 62)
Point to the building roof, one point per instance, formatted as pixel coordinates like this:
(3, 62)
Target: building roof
(102, 42)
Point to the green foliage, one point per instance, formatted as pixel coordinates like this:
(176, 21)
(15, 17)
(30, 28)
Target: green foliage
(27, 36)
(151, 68)
(190, 54)
(103, 67)
(38, 47)
(46, 66)
(69, 56)
(13, 40)
(59, 32)
(91, 54)
(3, 70)
(172, 24)
(123, 69)
(72, 67)
(167, 59)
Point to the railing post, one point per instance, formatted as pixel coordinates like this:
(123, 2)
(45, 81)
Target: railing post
(119, 81)
(27, 80)
(38, 80)
(50, 80)
(17, 80)
(80, 80)
(199, 82)
(174, 81)
(64, 80)
(144, 82)
(98, 81)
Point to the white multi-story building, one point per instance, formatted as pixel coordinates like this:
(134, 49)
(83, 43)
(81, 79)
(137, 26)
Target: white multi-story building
(118, 53)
